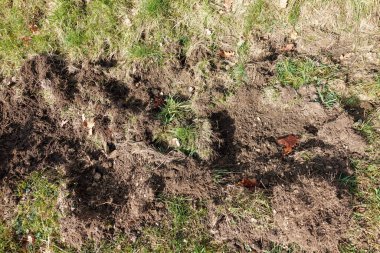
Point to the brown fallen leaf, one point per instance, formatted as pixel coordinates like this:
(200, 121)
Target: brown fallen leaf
(226, 54)
(288, 47)
(34, 28)
(288, 142)
(249, 183)
(26, 40)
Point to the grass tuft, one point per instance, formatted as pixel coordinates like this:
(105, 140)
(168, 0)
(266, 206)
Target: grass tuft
(37, 215)
(182, 130)
(185, 230)
(174, 110)
(299, 72)
(156, 8)
(327, 97)
(259, 16)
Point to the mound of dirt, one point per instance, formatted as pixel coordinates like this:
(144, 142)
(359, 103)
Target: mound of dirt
(111, 186)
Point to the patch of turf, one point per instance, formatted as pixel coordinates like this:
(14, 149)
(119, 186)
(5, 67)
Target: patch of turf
(259, 16)
(299, 72)
(367, 204)
(174, 110)
(90, 30)
(241, 206)
(21, 32)
(156, 8)
(367, 130)
(187, 138)
(119, 244)
(327, 97)
(7, 240)
(144, 51)
(295, 12)
(37, 215)
(183, 130)
(185, 231)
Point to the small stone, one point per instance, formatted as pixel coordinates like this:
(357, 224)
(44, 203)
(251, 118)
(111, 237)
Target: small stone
(97, 176)
(174, 143)
(283, 4)
(191, 89)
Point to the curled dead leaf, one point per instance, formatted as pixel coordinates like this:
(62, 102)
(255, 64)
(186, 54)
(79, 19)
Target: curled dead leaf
(226, 54)
(288, 142)
(288, 47)
(249, 183)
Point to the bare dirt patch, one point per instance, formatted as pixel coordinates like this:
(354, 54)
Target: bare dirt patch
(115, 175)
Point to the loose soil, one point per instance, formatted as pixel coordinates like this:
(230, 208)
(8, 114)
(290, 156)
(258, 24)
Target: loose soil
(115, 176)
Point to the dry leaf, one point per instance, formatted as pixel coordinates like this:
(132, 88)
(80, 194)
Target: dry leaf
(226, 54)
(288, 47)
(249, 183)
(26, 40)
(288, 142)
(228, 5)
(34, 28)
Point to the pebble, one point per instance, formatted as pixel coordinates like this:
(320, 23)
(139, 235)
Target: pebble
(97, 176)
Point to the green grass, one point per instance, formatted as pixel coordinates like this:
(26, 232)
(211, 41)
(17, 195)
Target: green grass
(295, 12)
(367, 201)
(7, 239)
(299, 72)
(37, 214)
(174, 110)
(185, 229)
(259, 15)
(92, 31)
(349, 181)
(367, 130)
(327, 97)
(17, 38)
(156, 8)
(187, 137)
(241, 206)
(182, 130)
(144, 51)
(119, 244)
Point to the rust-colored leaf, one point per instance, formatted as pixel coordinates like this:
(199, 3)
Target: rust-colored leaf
(226, 54)
(34, 29)
(26, 40)
(249, 183)
(288, 142)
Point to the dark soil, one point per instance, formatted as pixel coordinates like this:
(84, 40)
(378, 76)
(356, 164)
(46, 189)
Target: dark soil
(115, 186)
